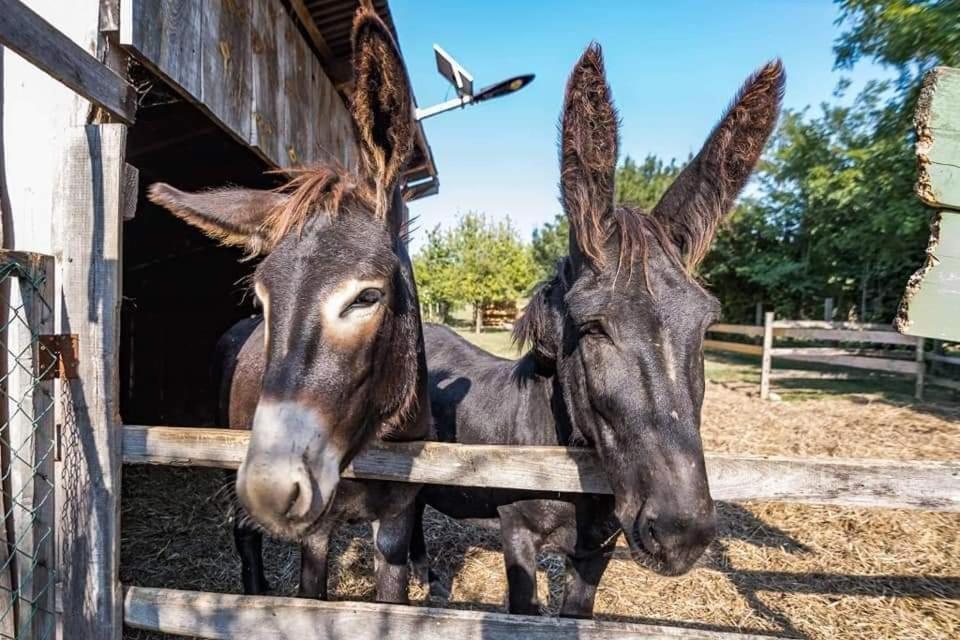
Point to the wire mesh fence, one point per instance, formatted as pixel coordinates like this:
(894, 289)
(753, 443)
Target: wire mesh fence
(27, 448)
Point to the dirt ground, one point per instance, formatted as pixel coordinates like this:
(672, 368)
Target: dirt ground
(794, 570)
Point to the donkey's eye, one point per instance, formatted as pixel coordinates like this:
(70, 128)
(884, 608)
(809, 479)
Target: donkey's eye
(593, 328)
(366, 299)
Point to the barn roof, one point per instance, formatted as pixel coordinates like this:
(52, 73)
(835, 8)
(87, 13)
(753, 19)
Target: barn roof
(327, 25)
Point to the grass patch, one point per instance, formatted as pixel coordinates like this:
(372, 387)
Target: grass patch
(496, 341)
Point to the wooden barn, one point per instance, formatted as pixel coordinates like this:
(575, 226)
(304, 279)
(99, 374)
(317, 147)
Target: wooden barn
(100, 99)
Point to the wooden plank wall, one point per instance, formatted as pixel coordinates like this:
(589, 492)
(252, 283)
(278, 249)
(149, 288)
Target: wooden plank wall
(246, 66)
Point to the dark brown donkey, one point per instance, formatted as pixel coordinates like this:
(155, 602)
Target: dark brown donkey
(617, 356)
(337, 359)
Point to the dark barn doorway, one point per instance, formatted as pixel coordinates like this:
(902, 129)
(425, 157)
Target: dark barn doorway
(181, 290)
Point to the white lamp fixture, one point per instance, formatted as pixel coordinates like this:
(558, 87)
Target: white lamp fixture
(462, 81)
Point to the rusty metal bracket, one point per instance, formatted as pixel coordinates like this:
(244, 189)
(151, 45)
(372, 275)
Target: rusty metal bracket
(58, 356)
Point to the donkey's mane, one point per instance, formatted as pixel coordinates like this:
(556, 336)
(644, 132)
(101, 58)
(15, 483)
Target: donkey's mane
(635, 230)
(328, 187)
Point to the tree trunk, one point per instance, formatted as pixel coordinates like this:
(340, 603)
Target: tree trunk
(477, 317)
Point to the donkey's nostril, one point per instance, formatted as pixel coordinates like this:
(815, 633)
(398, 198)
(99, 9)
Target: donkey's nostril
(644, 530)
(300, 501)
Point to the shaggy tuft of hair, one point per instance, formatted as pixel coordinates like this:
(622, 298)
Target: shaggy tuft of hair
(588, 154)
(328, 187)
(706, 189)
(382, 104)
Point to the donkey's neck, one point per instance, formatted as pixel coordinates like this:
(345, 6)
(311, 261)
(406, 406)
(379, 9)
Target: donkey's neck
(480, 399)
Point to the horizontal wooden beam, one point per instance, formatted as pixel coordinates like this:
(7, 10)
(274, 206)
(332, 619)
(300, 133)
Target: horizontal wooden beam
(226, 617)
(38, 42)
(738, 347)
(906, 367)
(933, 486)
(820, 324)
(827, 351)
(948, 383)
(936, 357)
(844, 335)
(740, 329)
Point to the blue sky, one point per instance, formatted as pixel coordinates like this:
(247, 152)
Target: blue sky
(673, 67)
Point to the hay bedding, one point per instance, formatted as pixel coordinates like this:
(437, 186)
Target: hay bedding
(796, 570)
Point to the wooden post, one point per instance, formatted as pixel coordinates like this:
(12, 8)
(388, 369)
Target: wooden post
(921, 369)
(87, 216)
(766, 363)
(30, 436)
(827, 309)
(758, 316)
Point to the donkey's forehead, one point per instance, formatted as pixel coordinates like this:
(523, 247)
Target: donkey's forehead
(332, 249)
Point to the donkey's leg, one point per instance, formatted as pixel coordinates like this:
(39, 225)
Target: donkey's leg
(249, 543)
(588, 549)
(391, 552)
(520, 546)
(583, 576)
(313, 565)
(420, 559)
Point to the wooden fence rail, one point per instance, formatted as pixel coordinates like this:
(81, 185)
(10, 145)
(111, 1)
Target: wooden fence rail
(930, 486)
(840, 332)
(225, 616)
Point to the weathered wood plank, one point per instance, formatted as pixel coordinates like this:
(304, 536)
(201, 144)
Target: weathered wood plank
(856, 362)
(937, 122)
(87, 212)
(741, 329)
(829, 351)
(842, 335)
(936, 357)
(30, 435)
(872, 483)
(166, 35)
(819, 324)
(944, 382)
(931, 301)
(29, 35)
(226, 617)
(738, 347)
(266, 82)
(225, 73)
(247, 66)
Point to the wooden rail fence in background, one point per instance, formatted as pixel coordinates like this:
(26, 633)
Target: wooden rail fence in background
(909, 360)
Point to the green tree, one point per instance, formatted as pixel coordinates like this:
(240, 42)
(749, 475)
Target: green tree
(641, 185)
(835, 215)
(478, 262)
(550, 243)
(435, 267)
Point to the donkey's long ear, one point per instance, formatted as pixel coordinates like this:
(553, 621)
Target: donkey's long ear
(706, 189)
(233, 216)
(382, 104)
(588, 154)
